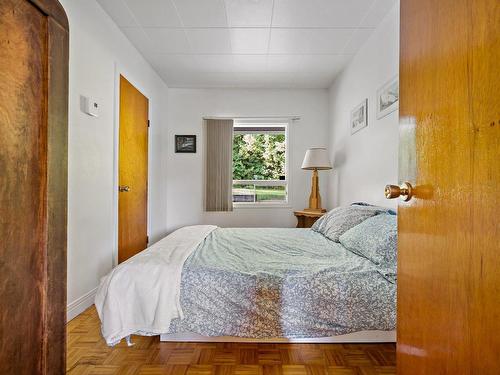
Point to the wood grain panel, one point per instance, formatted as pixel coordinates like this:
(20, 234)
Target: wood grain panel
(89, 354)
(448, 235)
(33, 125)
(133, 171)
(23, 146)
(306, 219)
(54, 10)
(57, 193)
(485, 260)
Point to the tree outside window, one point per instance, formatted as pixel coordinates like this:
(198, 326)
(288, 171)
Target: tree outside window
(259, 166)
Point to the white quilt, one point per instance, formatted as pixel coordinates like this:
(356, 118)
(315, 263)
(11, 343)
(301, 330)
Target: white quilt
(142, 295)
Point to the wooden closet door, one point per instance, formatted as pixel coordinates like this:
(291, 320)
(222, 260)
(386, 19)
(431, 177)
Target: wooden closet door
(33, 180)
(132, 172)
(449, 259)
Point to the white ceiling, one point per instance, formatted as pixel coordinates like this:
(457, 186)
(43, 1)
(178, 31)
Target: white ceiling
(247, 43)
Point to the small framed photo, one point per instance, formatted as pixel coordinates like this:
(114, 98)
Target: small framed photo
(388, 98)
(185, 143)
(359, 117)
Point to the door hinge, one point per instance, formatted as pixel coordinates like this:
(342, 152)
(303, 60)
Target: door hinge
(147, 240)
(149, 124)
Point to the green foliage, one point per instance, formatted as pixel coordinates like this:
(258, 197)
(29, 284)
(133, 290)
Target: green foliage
(258, 156)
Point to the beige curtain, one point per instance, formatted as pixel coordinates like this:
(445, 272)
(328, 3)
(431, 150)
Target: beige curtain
(219, 167)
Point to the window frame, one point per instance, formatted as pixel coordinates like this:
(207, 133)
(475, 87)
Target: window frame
(285, 182)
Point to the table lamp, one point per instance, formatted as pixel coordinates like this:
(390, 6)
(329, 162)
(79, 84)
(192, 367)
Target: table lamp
(316, 158)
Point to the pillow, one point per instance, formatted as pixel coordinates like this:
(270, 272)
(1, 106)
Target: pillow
(339, 220)
(382, 209)
(375, 238)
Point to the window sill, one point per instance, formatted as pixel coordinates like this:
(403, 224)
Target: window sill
(237, 206)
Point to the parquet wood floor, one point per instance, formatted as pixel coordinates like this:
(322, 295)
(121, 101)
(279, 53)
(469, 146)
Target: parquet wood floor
(88, 354)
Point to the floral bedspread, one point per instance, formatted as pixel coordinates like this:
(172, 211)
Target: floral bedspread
(255, 282)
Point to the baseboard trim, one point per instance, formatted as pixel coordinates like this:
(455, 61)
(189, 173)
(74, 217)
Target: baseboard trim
(81, 304)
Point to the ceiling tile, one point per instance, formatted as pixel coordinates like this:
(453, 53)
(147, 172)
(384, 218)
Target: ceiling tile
(119, 12)
(314, 80)
(304, 41)
(190, 44)
(377, 12)
(190, 79)
(215, 63)
(249, 40)
(154, 13)
(307, 63)
(176, 67)
(324, 63)
(198, 80)
(170, 64)
(359, 37)
(213, 41)
(183, 79)
(250, 63)
(231, 63)
(202, 13)
(249, 80)
(139, 39)
(241, 13)
(168, 40)
(265, 80)
(284, 63)
(233, 80)
(320, 13)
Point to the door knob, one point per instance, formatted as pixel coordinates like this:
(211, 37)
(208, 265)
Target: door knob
(123, 188)
(405, 191)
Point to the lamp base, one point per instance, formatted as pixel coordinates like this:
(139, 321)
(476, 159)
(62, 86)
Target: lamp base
(315, 197)
(314, 210)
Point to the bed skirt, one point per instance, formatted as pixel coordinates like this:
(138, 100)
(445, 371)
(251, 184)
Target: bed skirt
(355, 337)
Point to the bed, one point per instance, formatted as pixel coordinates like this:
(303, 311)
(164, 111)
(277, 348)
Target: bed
(205, 283)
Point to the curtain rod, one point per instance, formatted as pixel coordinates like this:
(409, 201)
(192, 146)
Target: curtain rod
(251, 118)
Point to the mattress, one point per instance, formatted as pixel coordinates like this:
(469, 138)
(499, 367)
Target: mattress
(292, 283)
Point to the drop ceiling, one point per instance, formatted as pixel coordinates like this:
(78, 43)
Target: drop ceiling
(247, 43)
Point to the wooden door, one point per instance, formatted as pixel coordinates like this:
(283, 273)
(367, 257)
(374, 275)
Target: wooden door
(33, 181)
(449, 252)
(133, 172)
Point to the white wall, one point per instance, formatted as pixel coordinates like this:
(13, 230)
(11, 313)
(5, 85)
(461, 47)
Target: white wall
(98, 51)
(187, 107)
(368, 160)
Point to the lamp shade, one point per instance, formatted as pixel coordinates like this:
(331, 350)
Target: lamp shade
(316, 158)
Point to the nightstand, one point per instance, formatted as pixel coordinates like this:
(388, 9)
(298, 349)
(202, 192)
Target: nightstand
(305, 219)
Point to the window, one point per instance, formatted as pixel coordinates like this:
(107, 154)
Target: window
(259, 164)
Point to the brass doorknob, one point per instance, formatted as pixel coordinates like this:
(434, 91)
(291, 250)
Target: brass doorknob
(123, 188)
(405, 191)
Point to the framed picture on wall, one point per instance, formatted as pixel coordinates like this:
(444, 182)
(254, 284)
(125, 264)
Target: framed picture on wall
(359, 117)
(388, 98)
(185, 143)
